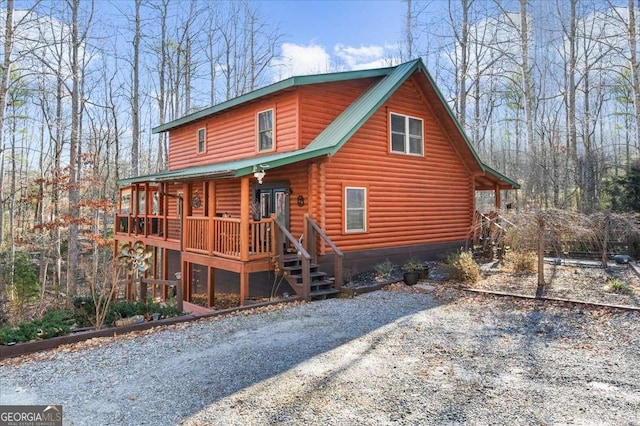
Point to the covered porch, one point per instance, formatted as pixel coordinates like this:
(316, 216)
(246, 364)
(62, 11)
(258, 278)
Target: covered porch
(235, 241)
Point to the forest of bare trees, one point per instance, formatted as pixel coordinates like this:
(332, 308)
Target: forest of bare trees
(547, 91)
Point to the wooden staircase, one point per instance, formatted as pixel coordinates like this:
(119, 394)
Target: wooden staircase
(320, 285)
(488, 233)
(300, 268)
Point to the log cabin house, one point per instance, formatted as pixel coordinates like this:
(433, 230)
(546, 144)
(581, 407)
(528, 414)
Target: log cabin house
(305, 178)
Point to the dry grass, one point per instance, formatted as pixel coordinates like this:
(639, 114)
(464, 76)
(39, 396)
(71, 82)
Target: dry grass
(463, 268)
(220, 301)
(520, 262)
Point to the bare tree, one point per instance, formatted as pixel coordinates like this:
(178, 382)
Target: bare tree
(4, 81)
(135, 96)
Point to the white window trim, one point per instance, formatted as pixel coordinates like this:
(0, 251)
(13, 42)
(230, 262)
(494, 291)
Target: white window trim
(346, 210)
(204, 146)
(406, 136)
(273, 132)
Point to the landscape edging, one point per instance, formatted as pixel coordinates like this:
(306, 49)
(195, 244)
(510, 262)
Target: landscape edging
(47, 344)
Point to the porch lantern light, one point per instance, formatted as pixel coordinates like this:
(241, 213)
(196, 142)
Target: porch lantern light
(259, 173)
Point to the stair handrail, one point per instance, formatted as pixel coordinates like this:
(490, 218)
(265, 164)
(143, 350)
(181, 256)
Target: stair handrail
(311, 226)
(305, 257)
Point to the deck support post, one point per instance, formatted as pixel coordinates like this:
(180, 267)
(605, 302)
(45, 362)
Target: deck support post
(244, 286)
(497, 196)
(186, 281)
(211, 284)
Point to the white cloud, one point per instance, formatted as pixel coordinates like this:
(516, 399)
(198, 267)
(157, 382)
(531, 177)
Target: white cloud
(362, 57)
(314, 59)
(302, 60)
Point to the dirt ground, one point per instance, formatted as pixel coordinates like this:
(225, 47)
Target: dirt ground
(430, 354)
(576, 281)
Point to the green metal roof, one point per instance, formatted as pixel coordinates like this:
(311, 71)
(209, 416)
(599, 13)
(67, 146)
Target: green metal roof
(329, 141)
(273, 88)
(334, 136)
(500, 176)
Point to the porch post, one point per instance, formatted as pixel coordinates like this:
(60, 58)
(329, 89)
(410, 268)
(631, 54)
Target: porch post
(165, 210)
(211, 212)
(496, 190)
(186, 212)
(244, 218)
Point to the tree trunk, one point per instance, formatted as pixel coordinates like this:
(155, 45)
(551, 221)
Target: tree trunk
(74, 194)
(541, 244)
(4, 81)
(135, 97)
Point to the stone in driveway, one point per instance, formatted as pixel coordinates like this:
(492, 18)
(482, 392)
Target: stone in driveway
(426, 287)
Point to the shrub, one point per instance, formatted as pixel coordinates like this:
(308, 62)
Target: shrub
(52, 324)
(412, 265)
(84, 312)
(170, 309)
(521, 262)
(618, 286)
(383, 269)
(462, 267)
(25, 287)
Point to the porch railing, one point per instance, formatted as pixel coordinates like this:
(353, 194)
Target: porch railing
(282, 237)
(163, 227)
(489, 231)
(220, 236)
(314, 229)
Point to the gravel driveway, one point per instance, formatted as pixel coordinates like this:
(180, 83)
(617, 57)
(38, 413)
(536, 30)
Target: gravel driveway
(387, 357)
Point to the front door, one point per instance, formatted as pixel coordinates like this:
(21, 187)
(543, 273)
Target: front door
(274, 201)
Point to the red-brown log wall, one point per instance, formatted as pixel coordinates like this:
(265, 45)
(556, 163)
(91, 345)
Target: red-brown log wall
(231, 135)
(411, 200)
(322, 103)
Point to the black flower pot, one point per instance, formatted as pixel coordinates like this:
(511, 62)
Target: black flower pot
(424, 274)
(410, 278)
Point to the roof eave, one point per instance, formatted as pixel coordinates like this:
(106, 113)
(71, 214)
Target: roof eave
(513, 184)
(272, 88)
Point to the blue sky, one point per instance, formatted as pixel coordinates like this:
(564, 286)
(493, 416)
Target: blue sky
(322, 35)
(331, 22)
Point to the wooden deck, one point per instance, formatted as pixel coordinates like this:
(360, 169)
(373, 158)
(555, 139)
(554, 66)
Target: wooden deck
(196, 310)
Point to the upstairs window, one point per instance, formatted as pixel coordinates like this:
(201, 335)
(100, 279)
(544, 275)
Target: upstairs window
(265, 130)
(406, 134)
(202, 144)
(355, 209)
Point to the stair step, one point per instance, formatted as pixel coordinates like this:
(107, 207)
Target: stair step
(288, 258)
(323, 293)
(316, 274)
(297, 269)
(321, 285)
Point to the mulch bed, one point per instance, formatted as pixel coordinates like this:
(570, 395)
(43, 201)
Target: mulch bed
(579, 283)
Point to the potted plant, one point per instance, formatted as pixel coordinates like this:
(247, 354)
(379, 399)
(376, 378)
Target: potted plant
(411, 269)
(423, 274)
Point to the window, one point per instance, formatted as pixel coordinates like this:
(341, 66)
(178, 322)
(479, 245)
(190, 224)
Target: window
(355, 209)
(265, 130)
(406, 134)
(202, 143)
